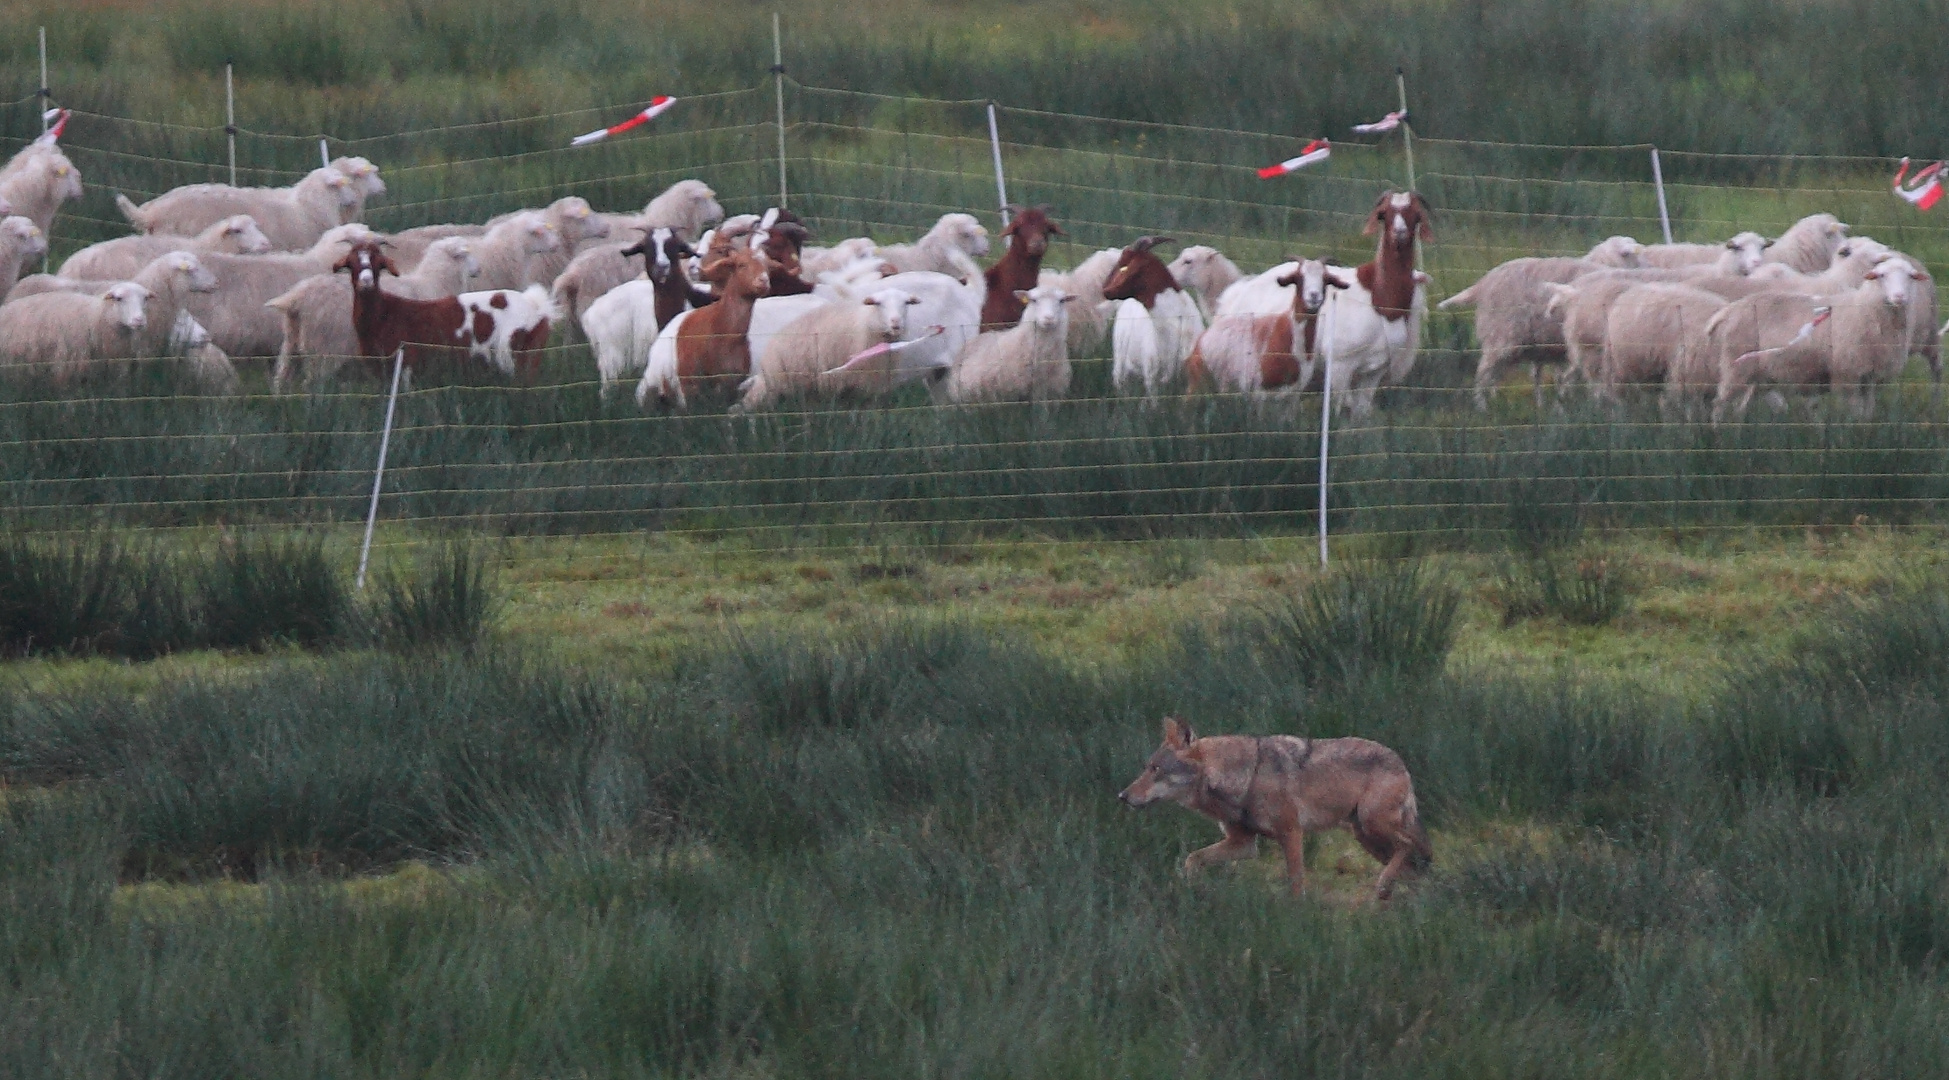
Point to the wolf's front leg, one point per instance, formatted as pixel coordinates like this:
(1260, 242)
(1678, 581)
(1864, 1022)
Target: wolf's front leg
(1293, 843)
(1238, 844)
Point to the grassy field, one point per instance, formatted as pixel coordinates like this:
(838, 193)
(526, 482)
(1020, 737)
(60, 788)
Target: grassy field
(705, 811)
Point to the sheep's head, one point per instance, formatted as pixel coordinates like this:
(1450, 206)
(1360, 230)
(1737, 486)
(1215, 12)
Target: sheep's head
(363, 174)
(538, 237)
(240, 234)
(342, 187)
(1749, 250)
(1311, 281)
(1189, 267)
(1895, 278)
(128, 299)
(1139, 274)
(1404, 214)
(578, 221)
(689, 206)
(1032, 228)
(62, 178)
(891, 305)
(1623, 252)
(196, 277)
(457, 251)
(964, 232)
(24, 236)
(1042, 308)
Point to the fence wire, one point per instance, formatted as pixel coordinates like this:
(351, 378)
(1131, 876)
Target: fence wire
(140, 448)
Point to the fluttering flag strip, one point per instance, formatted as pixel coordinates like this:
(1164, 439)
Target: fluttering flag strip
(53, 134)
(658, 106)
(1386, 123)
(1316, 151)
(1924, 189)
(883, 348)
(1821, 315)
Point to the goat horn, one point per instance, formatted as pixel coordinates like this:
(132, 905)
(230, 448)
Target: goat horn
(1145, 243)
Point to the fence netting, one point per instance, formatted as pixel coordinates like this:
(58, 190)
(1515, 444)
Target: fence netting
(557, 458)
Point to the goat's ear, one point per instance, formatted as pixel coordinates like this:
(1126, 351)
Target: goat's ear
(344, 263)
(1373, 223)
(1055, 228)
(1768, 244)
(1334, 280)
(1178, 734)
(1288, 279)
(912, 300)
(1145, 243)
(870, 301)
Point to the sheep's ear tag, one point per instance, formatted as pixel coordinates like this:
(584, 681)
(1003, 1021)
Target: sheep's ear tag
(1022, 295)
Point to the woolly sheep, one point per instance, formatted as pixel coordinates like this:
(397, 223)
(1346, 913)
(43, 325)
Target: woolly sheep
(816, 262)
(1735, 257)
(168, 280)
(235, 314)
(21, 242)
(950, 248)
(120, 258)
(292, 217)
(1857, 343)
(811, 356)
(190, 342)
(573, 220)
(1583, 307)
(1205, 273)
(1030, 360)
(688, 206)
(60, 334)
(1089, 321)
(37, 182)
(1654, 336)
(1808, 246)
(1617, 253)
(519, 252)
(317, 312)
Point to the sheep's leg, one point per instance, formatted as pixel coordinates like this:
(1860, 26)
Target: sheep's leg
(1536, 382)
(1488, 372)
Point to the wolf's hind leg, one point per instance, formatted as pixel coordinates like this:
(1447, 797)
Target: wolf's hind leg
(1294, 845)
(1238, 844)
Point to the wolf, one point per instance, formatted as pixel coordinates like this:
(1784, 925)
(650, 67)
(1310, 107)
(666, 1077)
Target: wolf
(1283, 786)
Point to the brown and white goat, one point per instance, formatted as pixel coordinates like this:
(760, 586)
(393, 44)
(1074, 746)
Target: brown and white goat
(709, 349)
(1157, 323)
(501, 326)
(1245, 353)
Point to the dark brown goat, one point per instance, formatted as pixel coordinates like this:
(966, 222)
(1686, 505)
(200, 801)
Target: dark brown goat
(1019, 267)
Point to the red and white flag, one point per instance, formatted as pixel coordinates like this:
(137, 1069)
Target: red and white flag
(1316, 151)
(658, 106)
(53, 134)
(1386, 123)
(868, 355)
(1925, 190)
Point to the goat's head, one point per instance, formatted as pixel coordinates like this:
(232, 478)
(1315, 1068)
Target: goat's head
(1311, 280)
(1749, 250)
(1031, 227)
(128, 299)
(739, 270)
(891, 306)
(365, 262)
(1139, 273)
(663, 251)
(1404, 214)
(1042, 308)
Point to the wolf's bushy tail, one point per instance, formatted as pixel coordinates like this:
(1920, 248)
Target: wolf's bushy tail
(1424, 852)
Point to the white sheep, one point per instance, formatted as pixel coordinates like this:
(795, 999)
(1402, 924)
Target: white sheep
(1850, 342)
(1030, 360)
(812, 355)
(365, 184)
(950, 248)
(1089, 317)
(60, 335)
(238, 321)
(1513, 321)
(292, 217)
(169, 280)
(1583, 309)
(1809, 245)
(1736, 257)
(120, 258)
(519, 252)
(1654, 336)
(688, 206)
(190, 342)
(317, 311)
(1205, 273)
(579, 227)
(36, 182)
(21, 242)
(816, 262)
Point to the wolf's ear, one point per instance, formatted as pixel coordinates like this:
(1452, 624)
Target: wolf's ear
(1177, 733)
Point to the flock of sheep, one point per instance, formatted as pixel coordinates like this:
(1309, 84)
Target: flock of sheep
(744, 310)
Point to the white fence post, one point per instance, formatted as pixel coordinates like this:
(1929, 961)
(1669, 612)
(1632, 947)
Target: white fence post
(995, 145)
(43, 97)
(1658, 181)
(324, 155)
(230, 118)
(1407, 129)
(1326, 413)
(778, 84)
(379, 474)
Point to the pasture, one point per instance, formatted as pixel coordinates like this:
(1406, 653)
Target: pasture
(780, 745)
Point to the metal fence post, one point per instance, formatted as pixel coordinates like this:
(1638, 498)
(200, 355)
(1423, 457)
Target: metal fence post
(1326, 411)
(1407, 129)
(230, 118)
(43, 97)
(778, 83)
(1658, 181)
(995, 145)
(379, 474)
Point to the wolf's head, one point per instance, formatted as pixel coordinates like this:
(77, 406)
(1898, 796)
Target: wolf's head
(1169, 774)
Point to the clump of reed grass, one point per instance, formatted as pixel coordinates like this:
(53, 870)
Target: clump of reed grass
(1363, 620)
(449, 599)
